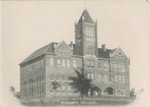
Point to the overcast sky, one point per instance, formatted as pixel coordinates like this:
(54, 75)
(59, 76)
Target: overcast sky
(29, 25)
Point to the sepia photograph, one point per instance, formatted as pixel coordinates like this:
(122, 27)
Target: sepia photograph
(75, 53)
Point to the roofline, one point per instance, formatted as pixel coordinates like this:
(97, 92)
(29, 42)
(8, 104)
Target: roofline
(65, 43)
(31, 59)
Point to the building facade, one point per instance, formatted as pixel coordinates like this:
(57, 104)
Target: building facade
(107, 68)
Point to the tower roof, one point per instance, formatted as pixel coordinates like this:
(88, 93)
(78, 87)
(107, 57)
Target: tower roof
(86, 17)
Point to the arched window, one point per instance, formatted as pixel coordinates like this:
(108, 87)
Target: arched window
(110, 91)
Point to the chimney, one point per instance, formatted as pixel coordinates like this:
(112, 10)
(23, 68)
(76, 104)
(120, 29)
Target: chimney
(104, 47)
(71, 45)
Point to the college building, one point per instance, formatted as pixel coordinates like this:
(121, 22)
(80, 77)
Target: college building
(107, 68)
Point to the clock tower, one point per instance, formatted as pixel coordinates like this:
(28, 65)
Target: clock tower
(86, 35)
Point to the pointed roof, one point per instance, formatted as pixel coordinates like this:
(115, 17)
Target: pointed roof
(86, 17)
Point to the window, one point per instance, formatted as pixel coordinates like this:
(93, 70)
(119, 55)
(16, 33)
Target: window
(63, 79)
(115, 67)
(89, 31)
(36, 65)
(88, 63)
(74, 63)
(68, 63)
(63, 63)
(123, 79)
(92, 76)
(116, 78)
(105, 66)
(119, 78)
(51, 62)
(92, 64)
(58, 62)
(69, 88)
(63, 89)
(123, 68)
(37, 90)
(40, 63)
(88, 76)
(42, 88)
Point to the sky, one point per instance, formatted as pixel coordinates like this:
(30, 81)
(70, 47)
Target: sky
(28, 25)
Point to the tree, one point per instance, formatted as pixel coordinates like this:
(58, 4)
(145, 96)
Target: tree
(80, 83)
(12, 89)
(55, 85)
(132, 93)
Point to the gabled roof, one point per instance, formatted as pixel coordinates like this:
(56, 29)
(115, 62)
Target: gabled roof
(86, 16)
(45, 49)
(39, 52)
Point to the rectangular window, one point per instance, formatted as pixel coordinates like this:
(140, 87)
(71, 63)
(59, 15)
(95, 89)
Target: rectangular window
(63, 78)
(119, 67)
(116, 78)
(74, 64)
(123, 68)
(88, 63)
(88, 76)
(123, 79)
(69, 88)
(51, 62)
(92, 77)
(92, 64)
(42, 62)
(89, 31)
(115, 67)
(63, 89)
(39, 64)
(63, 63)
(119, 78)
(68, 63)
(105, 66)
(58, 62)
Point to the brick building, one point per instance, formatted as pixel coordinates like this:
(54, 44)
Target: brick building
(107, 68)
